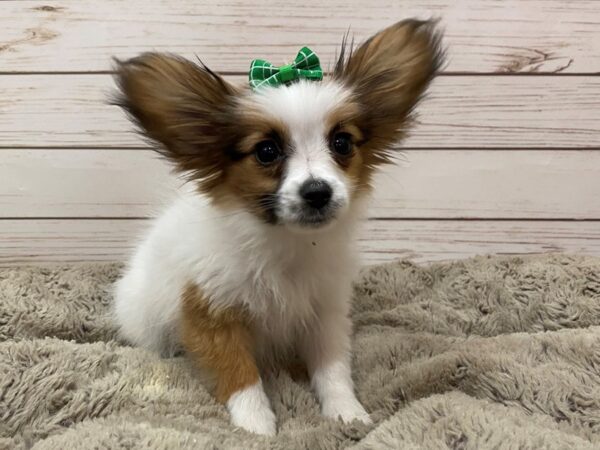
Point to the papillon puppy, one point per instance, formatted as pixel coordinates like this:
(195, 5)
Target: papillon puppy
(254, 263)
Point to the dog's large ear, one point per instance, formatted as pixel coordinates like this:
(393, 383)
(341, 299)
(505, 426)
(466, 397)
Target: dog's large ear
(187, 109)
(389, 74)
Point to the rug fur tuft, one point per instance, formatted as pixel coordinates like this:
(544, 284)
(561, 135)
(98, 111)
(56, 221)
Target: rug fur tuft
(490, 352)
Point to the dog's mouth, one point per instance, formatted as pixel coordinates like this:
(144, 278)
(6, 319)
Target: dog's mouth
(308, 218)
(316, 219)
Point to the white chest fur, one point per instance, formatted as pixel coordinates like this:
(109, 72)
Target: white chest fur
(282, 278)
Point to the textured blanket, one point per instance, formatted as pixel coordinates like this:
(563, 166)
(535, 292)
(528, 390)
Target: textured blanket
(484, 353)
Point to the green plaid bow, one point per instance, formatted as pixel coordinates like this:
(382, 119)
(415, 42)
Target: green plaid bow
(306, 65)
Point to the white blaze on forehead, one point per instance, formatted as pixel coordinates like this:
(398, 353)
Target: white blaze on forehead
(302, 106)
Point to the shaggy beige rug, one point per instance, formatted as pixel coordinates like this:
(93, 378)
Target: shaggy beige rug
(483, 353)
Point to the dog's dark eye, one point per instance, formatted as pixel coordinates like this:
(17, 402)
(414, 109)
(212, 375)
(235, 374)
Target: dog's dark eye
(267, 152)
(342, 143)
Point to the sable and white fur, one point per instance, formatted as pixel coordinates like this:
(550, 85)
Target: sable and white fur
(286, 271)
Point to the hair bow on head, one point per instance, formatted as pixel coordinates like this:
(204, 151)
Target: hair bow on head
(306, 65)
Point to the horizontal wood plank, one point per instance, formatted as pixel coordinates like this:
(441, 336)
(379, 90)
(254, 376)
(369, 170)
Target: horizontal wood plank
(483, 35)
(461, 112)
(428, 241)
(50, 241)
(546, 184)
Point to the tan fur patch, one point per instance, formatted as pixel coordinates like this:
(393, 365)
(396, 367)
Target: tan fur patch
(247, 182)
(359, 166)
(344, 115)
(250, 185)
(257, 127)
(219, 341)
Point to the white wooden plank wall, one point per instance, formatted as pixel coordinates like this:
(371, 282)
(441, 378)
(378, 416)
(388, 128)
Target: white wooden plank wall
(505, 157)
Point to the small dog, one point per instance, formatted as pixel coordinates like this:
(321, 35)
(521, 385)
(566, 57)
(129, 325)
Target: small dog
(255, 262)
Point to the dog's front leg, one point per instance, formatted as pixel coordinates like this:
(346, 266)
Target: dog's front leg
(326, 350)
(222, 343)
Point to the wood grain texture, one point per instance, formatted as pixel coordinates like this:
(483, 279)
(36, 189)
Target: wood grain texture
(47, 241)
(425, 184)
(483, 35)
(461, 112)
(462, 164)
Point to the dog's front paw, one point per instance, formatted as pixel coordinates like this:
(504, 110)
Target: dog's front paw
(347, 409)
(251, 411)
(259, 422)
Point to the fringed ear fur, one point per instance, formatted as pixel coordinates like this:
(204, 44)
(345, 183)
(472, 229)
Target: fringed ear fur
(389, 73)
(187, 109)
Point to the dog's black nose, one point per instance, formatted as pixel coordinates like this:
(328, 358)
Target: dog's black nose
(316, 193)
